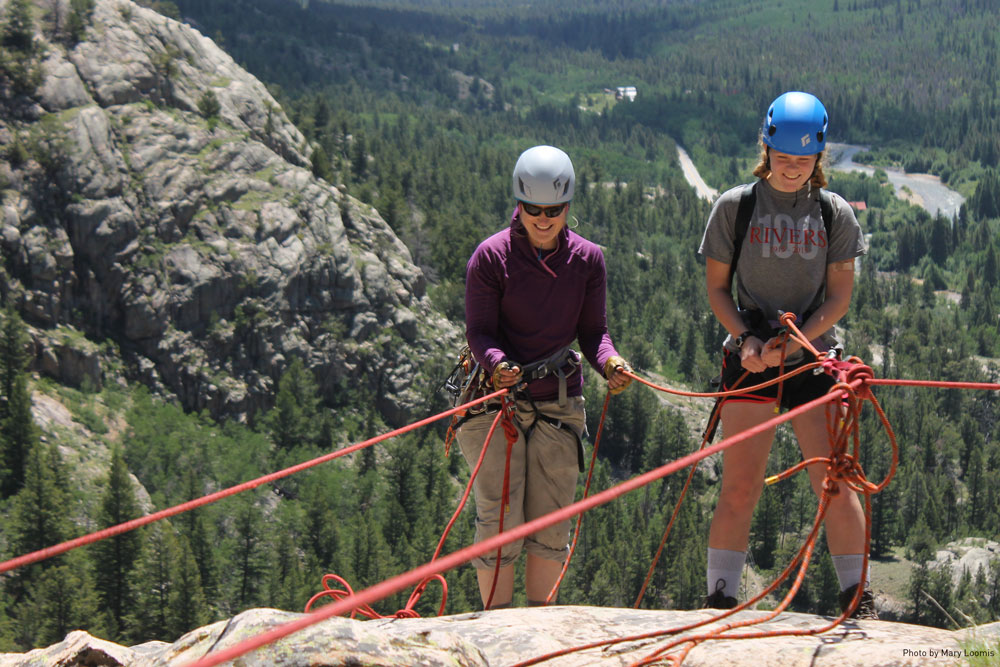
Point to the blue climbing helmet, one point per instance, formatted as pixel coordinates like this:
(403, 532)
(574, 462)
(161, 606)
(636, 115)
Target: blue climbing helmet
(796, 124)
(543, 176)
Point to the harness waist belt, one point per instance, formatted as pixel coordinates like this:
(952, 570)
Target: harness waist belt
(554, 365)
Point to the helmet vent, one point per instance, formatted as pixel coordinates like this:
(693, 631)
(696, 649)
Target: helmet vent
(771, 129)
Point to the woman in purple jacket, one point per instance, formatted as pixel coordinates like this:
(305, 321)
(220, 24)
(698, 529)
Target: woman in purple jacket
(531, 290)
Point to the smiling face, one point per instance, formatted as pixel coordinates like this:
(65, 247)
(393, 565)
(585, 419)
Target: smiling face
(543, 231)
(790, 172)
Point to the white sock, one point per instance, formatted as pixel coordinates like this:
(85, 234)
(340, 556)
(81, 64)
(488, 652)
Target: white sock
(848, 568)
(725, 568)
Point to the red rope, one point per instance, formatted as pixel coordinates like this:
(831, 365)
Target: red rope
(366, 610)
(724, 394)
(113, 531)
(412, 577)
(510, 432)
(991, 386)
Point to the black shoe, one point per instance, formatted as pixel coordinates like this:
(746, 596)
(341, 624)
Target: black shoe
(719, 600)
(865, 610)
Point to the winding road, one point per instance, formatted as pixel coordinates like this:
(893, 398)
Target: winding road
(925, 190)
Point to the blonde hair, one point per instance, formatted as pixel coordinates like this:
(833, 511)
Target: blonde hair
(763, 168)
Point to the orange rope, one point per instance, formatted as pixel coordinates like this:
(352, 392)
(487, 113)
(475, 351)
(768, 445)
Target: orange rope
(407, 611)
(841, 467)
(724, 394)
(586, 492)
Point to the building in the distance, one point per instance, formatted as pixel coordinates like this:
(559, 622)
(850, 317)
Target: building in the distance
(625, 93)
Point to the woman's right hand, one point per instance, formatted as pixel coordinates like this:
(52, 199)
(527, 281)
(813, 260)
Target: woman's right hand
(506, 375)
(750, 355)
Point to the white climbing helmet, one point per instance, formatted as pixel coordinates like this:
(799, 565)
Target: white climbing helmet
(544, 176)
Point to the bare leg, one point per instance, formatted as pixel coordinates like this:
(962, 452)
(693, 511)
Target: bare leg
(743, 469)
(504, 593)
(539, 577)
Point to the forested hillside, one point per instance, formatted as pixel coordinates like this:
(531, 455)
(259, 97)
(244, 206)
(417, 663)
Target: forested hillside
(420, 109)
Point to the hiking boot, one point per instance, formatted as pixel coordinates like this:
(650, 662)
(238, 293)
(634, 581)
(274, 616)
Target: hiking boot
(865, 610)
(719, 600)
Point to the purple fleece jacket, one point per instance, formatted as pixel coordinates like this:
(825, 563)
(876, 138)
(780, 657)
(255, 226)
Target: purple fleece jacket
(524, 309)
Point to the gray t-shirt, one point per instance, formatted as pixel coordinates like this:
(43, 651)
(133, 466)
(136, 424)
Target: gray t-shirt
(785, 253)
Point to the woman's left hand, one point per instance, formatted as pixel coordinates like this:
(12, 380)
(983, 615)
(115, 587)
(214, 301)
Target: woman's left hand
(772, 353)
(617, 381)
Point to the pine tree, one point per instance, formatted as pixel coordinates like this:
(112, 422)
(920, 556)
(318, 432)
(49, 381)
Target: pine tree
(65, 600)
(13, 352)
(18, 433)
(18, 31)
(286, 583)
(115, 557)
(825, 584)
(766, 524)
(192, 528)
(38, 519)
(322, 536)
(147, 618)
(294, 421)
(187, 607)
(246, 557)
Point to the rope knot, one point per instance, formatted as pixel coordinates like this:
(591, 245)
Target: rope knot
(842, 467)
(787, 319)
(859, 371)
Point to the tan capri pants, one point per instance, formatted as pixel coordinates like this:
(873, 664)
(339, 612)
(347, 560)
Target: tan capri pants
(543, 476)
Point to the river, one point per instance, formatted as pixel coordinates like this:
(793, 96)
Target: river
(925, 190)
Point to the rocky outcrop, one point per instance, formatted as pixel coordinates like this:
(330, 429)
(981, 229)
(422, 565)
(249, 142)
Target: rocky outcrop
(511, 636)
(202, 248)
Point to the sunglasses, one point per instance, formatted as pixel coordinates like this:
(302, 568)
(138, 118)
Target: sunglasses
(549, 211)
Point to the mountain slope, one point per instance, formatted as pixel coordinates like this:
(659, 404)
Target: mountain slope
(159, 198)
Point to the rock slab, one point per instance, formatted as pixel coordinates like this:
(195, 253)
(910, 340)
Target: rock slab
(508, 637)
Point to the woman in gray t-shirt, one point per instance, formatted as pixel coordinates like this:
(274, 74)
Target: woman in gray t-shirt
(794, 257)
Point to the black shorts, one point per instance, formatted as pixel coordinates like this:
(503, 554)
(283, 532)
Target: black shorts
(795, 391)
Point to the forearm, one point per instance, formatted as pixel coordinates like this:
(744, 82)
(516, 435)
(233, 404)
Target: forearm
(722, 304)
(839, 287)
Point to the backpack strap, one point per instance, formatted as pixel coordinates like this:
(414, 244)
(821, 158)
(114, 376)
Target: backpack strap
(748, 200)
(826, 208)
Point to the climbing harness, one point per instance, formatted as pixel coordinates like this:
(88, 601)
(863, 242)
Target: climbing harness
(469, 380)
(554, 365)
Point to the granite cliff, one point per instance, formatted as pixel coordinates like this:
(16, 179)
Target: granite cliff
(161, 224)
